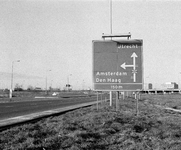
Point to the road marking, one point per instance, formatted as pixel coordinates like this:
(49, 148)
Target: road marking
(45, 97)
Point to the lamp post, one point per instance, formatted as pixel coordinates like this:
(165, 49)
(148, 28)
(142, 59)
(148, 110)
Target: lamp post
(46, 81)
(11, 89)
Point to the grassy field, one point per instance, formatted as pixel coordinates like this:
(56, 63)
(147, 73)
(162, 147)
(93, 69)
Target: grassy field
(103, 129)
(168, 100)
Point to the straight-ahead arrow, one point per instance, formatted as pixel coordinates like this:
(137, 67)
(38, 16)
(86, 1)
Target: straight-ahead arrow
(134, 60)
(124, 66)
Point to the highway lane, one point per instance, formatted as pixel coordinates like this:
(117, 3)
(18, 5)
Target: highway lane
(14, 109)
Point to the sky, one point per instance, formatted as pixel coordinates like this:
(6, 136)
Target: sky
(53, 39)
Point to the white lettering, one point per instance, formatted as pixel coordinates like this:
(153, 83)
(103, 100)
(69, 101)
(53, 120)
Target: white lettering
(119, 80)
(100, 80)
(97, 74)
(125, 73)
(127, 46)
(111, 74)
(114, 80)
(109, 80)
(115, 87)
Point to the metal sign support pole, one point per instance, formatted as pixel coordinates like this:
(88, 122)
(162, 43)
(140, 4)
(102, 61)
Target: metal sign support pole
(101, 98)
(139, 96)
(97, 100)
(137, 99)
(110, 94)
(117, 101)
(123, 95)
(135, 95)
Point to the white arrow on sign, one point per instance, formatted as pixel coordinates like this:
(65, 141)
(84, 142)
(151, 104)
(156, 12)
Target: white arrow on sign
(124, 66)
(134, 62)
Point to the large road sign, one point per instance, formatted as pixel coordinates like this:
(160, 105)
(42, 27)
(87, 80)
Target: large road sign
(117, 65)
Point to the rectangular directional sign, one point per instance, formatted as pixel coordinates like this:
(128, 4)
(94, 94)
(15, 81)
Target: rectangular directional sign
(117, 65)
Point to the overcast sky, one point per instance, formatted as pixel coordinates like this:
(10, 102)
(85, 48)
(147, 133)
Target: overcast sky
(57, 35)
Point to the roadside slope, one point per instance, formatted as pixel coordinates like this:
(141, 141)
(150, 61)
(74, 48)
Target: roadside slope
(89, 128)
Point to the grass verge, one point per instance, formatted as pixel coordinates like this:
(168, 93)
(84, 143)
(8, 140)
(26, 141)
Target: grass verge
(103, 129)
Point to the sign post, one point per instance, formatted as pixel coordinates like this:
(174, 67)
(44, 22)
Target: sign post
(97, 100)
(110, 97)
(137, 99)
(117, 100)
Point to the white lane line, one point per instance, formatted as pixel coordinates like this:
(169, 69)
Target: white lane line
(45, 97)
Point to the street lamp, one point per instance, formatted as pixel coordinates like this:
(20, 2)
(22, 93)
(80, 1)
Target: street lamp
(11, 90)
(46, 80)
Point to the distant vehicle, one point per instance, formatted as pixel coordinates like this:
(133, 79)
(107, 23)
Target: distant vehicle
(54, 94)
(38, 89)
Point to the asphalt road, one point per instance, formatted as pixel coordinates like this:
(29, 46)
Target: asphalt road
(19, 108)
